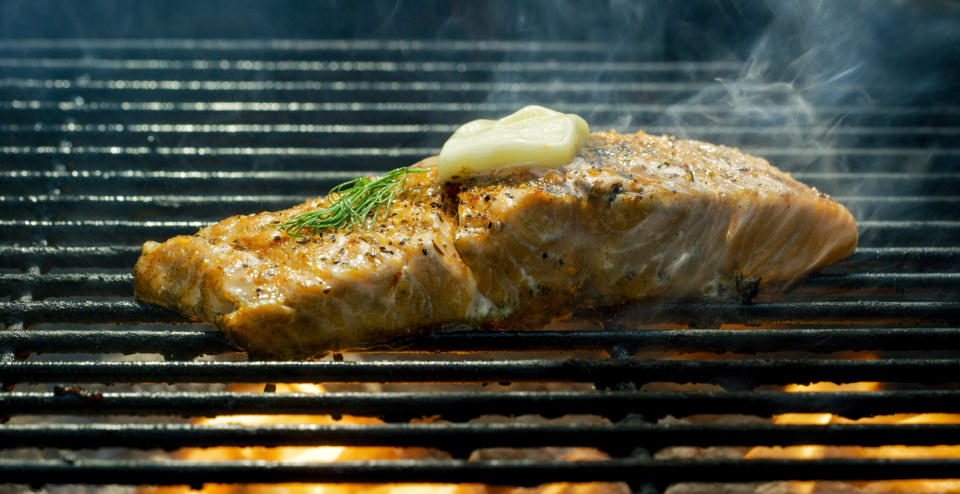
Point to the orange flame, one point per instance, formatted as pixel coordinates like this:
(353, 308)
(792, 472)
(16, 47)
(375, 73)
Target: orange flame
(341, 453)
(800, 452)
(812, 452)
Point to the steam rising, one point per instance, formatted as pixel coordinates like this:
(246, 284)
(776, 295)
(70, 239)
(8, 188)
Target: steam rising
(817, 63)
(788, 74)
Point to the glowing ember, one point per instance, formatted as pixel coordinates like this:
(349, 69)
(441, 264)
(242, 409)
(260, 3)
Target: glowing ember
(812, 452)
(339, 453)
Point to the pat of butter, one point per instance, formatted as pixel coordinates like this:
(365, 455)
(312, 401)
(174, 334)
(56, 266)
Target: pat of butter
(534, 136)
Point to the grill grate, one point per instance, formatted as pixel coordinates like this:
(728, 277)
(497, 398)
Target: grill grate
(153, 138)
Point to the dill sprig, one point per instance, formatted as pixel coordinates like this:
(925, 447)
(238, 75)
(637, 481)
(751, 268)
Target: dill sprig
(357, 199)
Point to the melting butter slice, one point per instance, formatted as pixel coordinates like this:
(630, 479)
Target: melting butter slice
(534, 136)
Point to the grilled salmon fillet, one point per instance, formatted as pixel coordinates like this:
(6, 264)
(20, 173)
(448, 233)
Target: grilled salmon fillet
(632, 217)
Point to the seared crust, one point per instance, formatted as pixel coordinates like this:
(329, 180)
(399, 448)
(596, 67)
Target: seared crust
(632, 217)
(640, 216)
(282, 297)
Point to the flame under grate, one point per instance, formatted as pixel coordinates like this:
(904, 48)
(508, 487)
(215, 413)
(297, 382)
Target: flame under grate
(156, 138)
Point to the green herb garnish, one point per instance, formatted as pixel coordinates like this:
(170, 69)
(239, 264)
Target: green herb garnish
(357, 199)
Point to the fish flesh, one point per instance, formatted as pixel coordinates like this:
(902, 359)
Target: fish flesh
(633, 217)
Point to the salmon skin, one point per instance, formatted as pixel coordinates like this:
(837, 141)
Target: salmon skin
(633, 217)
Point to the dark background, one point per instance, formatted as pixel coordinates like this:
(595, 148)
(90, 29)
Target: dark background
(678, 29)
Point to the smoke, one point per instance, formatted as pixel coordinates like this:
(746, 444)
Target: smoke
(795, 77)
(820, 65)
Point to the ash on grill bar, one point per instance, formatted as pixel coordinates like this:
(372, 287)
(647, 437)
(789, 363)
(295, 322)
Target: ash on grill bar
(132, 122)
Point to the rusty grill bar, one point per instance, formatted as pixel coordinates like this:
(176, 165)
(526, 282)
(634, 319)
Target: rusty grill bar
(153, 138)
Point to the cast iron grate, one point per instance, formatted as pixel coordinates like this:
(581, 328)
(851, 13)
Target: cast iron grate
(153, 138)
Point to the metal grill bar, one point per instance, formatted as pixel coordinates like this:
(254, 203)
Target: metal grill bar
(273, 130)
(706, 340)
(301, 183)
(468, 437)
(365, 66)
(458, 110)
(47, 257)
(152, 92)
(914, 259)
(210, 341)
(375, 46)
(456, 406)
(452, 113)
(440, 90)
(41, 285)
(737, 371)
(188, 343)
(98, 135)
(111, 310)
(327, 69)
